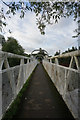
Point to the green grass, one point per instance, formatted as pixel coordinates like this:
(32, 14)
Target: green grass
(15, 104)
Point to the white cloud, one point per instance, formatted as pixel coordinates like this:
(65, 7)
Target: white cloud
(57, 37)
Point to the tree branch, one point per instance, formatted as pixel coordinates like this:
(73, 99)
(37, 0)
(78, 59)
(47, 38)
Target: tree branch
(6, 3)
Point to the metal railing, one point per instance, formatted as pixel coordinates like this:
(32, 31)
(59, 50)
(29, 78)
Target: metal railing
(12, 79)
(66, 79)
(74, 58)
(5, 55)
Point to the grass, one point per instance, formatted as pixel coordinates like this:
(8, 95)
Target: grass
(15, 104)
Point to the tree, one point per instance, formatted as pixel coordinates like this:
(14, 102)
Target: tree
(2, 40)
(70, 50)
(46, 12)
(57, 53)
(12, 46)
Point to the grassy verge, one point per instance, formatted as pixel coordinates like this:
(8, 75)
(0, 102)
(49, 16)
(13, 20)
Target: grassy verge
(15, 105)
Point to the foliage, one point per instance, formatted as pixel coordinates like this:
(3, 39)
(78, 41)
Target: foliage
(46, 12)
(65, 61)
(2, 40)
(12, 46)
(70, 50)
(57, 53)
(66, 51)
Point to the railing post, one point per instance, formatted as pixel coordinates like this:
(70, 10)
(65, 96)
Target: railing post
(56, 61)
(22, 61)
(20, 70)
(6, 64)
(70, 65)
(12, 82)
(27, 60)
(1, 63)
(0, 95)
(50, 60)
(65, 87)
(76, 61)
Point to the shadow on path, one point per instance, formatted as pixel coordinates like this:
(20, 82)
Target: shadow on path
(41, 99)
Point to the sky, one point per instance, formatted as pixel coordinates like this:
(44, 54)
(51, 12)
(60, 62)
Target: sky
(57, 37)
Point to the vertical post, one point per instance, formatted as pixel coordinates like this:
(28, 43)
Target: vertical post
(22, 61)
(65, 87)
(6, 64)
(50, 60)
(77, 64)
(27, 60)
(10, 76)
(12, 82)
(1, 63)
(70, 65)
(19, 76)
(56, 61)
(0, 95)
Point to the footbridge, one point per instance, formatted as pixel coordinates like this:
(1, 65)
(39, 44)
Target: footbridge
(53, 90)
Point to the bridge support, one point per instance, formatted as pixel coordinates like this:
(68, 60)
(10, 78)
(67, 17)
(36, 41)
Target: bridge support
(0, 95)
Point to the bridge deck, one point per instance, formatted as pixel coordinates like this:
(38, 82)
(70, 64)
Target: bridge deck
(41, 99)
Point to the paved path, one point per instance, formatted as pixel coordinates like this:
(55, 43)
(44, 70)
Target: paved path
(41, 99)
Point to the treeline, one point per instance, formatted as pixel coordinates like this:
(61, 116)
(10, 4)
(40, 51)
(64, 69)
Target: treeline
(67, 51)
(65, 61)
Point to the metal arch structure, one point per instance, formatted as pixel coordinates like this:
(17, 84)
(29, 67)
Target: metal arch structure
(40, 50)
(39, 56)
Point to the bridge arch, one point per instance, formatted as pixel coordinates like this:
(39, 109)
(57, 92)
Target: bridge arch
(40, 50)
(40, 55)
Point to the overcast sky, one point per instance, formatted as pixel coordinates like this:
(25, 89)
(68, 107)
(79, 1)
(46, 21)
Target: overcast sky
(57, 37)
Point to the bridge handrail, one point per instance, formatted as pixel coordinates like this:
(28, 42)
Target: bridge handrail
(66, 80)
(70, 54)
(74, 57)
(11, 55)
(5, 55)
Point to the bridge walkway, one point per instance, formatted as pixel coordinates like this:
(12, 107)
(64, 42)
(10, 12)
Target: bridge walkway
(41, 99)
